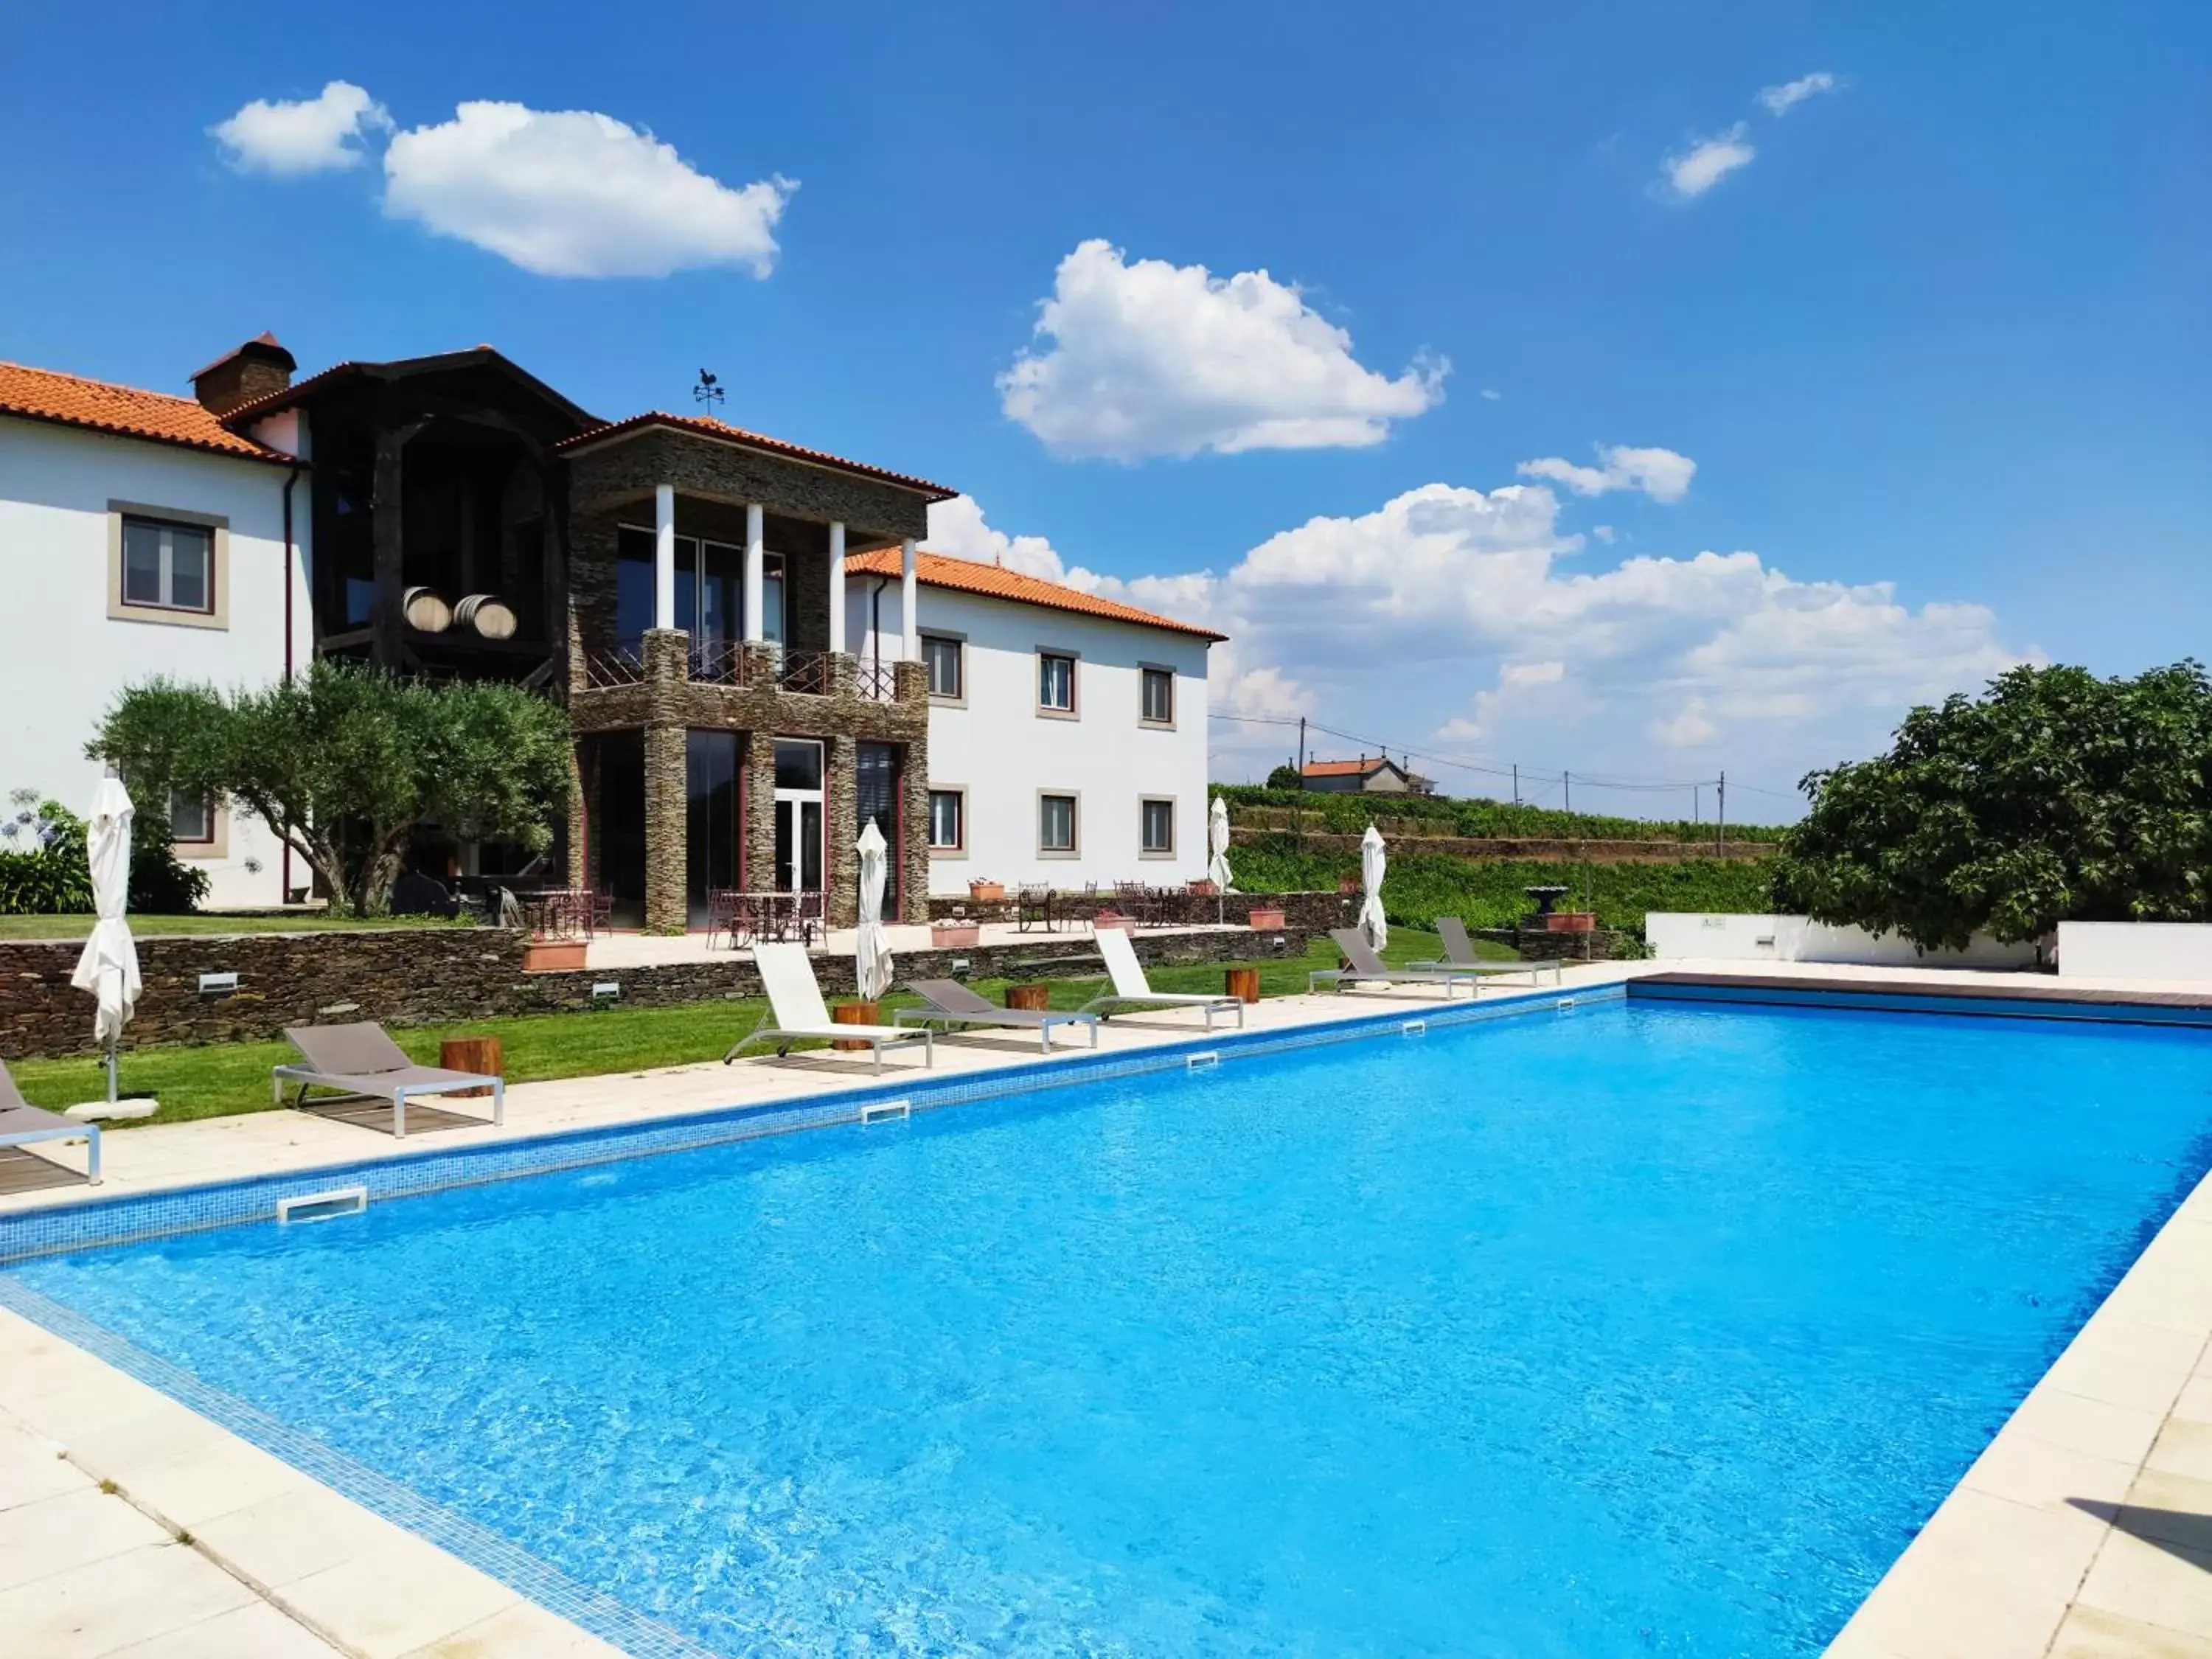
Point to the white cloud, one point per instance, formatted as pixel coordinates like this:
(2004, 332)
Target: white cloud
(1688, 727)
(574, 193)
(1604, 533)
(1491, 394)
(957, 528)
(1659, 473)
(316, 135)
(1150, 358)
(1689, 173)
(1780, 100)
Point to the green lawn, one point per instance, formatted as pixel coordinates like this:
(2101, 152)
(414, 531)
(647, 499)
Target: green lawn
(223, 1078)
(304, 921)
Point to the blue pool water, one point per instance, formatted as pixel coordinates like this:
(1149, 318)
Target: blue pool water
(1638, 1330)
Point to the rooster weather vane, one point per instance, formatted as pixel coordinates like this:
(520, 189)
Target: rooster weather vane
(708, 391)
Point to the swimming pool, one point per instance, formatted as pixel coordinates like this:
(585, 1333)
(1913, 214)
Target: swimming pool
(1635, 1330)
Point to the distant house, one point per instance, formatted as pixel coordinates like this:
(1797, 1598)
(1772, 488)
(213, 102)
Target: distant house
(1370, 775)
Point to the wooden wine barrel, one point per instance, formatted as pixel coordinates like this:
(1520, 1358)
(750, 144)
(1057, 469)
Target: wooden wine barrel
(489, 614)
(425, 611)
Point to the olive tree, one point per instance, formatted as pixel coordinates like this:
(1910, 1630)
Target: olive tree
(2055, 796)
(344, 763)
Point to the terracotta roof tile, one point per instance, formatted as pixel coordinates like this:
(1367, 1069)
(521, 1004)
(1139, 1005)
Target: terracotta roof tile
(707, 426)
(1351, 769)
(41, 394)
(997, 582)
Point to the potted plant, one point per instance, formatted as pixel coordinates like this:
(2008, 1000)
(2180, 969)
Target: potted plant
(1347, 885)
(955, 934)
(1109, 921)
(1572, 921)
(985, 891)
(1266, 919)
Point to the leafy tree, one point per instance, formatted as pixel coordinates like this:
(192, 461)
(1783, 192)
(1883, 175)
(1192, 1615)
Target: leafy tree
(344, 763)
(1285, 777)
(2057, 796)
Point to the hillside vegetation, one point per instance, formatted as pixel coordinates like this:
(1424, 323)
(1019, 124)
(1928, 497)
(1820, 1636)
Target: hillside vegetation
(1421, 886)
(1475, 817)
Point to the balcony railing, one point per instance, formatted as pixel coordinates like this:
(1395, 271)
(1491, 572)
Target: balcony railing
(617, 666)
(877, 680)
(812, 673)
(719, 662)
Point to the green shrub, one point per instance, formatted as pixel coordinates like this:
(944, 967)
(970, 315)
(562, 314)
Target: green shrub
(44, 870)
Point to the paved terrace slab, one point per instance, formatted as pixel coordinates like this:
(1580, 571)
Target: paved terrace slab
(2083, 1532)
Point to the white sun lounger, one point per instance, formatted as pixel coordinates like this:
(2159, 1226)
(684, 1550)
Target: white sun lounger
(1459, 957)
(23, 1124)
(360, 1061)
(953, 1004)
(1367, 967)
(796, 1012)
(1133, 990)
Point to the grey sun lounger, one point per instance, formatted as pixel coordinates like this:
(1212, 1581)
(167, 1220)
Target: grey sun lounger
(1133, 990)
(23, 1124)
(1368, 968)
(360, 1062)
(1460, 958)
(955, 1004)
(796, 1012)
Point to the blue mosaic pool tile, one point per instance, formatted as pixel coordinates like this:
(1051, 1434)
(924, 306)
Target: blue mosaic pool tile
(101, 1222)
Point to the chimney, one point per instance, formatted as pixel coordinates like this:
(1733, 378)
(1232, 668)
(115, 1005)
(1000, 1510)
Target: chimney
(237, 378)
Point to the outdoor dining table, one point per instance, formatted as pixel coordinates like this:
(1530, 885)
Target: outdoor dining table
(748, 917)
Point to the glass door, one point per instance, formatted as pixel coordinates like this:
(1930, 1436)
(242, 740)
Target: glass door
(798, 847)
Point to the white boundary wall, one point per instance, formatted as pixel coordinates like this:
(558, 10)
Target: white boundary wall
(2134, 950)
(1687, 936)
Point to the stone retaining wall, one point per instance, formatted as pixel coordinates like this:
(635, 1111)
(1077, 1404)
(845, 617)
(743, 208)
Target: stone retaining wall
(418, 977)
(1499, 849)
(1309, 913)
(1543, 945)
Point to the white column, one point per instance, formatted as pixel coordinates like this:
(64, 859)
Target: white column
(664, 555)
(836, 587)
(755, 574)
(911, 650)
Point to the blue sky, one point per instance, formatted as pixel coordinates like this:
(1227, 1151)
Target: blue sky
(1943, 329)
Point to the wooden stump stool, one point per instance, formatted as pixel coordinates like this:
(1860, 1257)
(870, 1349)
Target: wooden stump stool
(853, 1013)
(1242, 984)
(472, 1054)
(1028, 996)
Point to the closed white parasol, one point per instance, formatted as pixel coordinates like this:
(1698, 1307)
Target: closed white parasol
(1371, 864)
(1216, 840)
(109, 965)
(871, 944)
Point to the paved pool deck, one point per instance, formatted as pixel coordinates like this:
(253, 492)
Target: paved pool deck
(131, 1525)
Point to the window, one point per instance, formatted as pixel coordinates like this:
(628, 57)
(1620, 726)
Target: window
(948, 827)
(1157, 707)
(1055, 683)
(192, 818)
(1056, 824)
(1157, 828)
(168, 566)
(942, 658)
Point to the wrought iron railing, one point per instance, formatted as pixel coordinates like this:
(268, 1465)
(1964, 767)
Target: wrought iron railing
(876, 679)
(719, 662)
(616, 665)
(812, 673)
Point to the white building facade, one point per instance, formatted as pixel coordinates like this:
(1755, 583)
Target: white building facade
(1067, 733)
(126, 557)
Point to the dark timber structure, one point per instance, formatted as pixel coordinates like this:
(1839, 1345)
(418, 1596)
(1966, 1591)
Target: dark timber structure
(678, 581)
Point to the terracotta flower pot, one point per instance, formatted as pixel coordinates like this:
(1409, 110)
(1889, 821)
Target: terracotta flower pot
(987, 892)
(955, 935)
(853, 1013)
(552, 954)
(1572, 921)
(1107, 921)
(1266, 921)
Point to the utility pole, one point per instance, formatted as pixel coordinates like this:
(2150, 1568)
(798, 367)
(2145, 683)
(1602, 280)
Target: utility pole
(1697, 806)
(1720, 818)
(1516, 783)
(1302, 752)
(1567, 783)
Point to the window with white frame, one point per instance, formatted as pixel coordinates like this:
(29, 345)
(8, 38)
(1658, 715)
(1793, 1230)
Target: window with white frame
(1056, 824)
(948, 820)
(167, 566)
(192, 818)
(1157, 707)
(1157, 828)
(942, 658)
(1055, 683)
